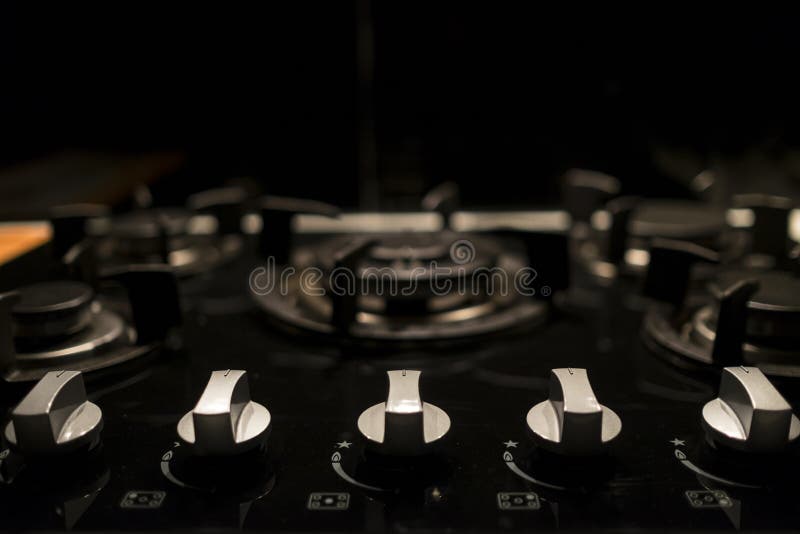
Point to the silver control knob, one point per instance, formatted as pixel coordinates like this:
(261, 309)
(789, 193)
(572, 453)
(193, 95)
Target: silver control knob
(225, 421)
(750, 415)
(404, 425)
(55, 417)
(571, 421)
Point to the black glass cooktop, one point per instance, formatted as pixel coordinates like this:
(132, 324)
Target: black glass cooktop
(318, 474)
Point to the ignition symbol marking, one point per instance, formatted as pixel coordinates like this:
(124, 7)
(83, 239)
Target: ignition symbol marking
(516, 500)
(148, 500)
(709, 499)
(328, 501)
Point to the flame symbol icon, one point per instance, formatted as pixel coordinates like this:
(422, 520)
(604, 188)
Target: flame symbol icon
(507, 457)
(167, 456)
(679, 455)
(336, 458)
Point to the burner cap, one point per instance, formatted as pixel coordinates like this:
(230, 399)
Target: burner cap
(52, 309)
(677, 219)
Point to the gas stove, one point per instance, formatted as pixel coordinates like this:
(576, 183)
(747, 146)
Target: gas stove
(278, 364)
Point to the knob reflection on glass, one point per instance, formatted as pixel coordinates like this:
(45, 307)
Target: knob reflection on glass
(55, 417)
(404, 425)
(750, 415)
(225, 421)
(571, 421)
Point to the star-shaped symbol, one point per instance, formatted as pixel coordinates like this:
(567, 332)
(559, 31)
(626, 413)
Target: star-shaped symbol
(678, 442)
(511, 444)
(343, 444)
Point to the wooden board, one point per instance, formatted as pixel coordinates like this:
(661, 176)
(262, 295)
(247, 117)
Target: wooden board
(17, 239)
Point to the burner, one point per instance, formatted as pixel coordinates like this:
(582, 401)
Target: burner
(745, 317)
(773, 311)
(625, 236)
(64, 323)
(412, 287)
(612, 234)
(171, 234)
(192, 240)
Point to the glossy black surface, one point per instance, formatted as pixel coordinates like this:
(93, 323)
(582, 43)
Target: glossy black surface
(315, 388)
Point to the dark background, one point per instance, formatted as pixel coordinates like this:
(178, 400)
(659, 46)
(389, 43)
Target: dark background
(371, 103)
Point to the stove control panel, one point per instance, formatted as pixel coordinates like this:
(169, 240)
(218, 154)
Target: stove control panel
(471, 410)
